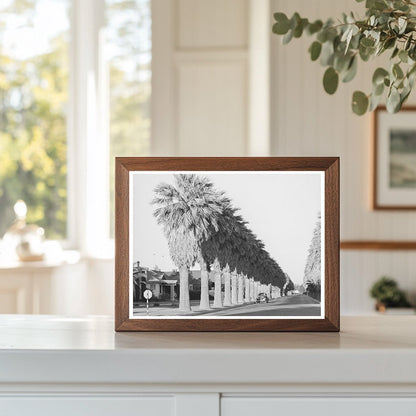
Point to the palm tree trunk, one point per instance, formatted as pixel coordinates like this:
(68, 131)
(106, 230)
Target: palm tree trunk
(234, 287)
(217, 293)
(246, 290)
(240, 297)
(227, 287)
(252, 290)
(204, 302)
(184, 304)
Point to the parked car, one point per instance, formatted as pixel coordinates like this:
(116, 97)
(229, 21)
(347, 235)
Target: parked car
(262, 298)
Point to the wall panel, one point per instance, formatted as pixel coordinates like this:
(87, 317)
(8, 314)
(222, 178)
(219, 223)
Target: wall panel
(212, 108)
(308, 122)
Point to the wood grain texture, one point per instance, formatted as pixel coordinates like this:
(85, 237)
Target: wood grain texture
(330, 165)
(378, 245)
(376, 204)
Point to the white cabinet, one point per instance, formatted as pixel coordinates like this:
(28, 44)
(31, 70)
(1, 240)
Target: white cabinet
(87, 406)
(270, 406)
(80, 366)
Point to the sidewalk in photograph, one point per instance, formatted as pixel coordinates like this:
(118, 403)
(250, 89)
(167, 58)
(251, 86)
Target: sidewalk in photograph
(298, 305)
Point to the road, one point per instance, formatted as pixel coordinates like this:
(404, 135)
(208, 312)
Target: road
(297, 305)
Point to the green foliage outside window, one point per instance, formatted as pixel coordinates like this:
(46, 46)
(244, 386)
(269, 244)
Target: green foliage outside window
(33, 99)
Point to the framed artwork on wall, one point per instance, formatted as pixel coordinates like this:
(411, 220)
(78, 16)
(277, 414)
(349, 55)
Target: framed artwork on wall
(227, 244)
(394, 177)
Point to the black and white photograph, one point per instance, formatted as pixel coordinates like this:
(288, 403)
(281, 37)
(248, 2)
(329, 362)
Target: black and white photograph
(226, 244)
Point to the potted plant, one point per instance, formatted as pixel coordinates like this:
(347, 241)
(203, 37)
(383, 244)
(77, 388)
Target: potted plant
(387, 294)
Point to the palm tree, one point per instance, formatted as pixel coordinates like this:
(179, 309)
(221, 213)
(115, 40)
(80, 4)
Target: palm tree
(217, 276)
(189, 212)
(227, 286)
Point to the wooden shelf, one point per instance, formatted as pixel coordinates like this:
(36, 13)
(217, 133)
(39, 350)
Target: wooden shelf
(378, 245)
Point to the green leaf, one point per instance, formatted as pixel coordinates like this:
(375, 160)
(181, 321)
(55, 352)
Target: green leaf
(374, 101)
(397, 71)
(402, 24)
(367, 42)
(322, 36)
(298, 30)
(395, 52)
(378, 89)
(403, 56)
(393, 101)
(327, 53)
(359, 103)
(403, 96)
(351, 71)
(389, 43)
(341, 61)
(315, 50)
(376, 4)
(281, 27)
(288, 37)
(408, 42)
(314, 27)
(330, 80)
(379, 75)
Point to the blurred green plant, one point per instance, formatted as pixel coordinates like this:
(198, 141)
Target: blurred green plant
(33, 99)
(389, 26)
(386, 292)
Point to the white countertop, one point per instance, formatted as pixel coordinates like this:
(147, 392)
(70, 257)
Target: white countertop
(52, 349)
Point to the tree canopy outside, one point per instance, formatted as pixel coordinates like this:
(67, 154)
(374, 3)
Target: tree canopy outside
(34, 102)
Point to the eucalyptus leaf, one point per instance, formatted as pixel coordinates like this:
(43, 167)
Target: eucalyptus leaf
(403, 56)
(393, 101)
(378, 89)
(330, 80)
(379, 75)
(395, 52)
(397, 71)
(402, 22)
(281, 26)
(314, 27)
(376, 4)
(350, 73)
(327, 53)
(315, 50)
(408, 42)
(374, 102)
(288, 37)
(389, 43)
(359, 103)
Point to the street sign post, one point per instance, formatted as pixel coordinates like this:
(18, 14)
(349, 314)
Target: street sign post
(147, 294)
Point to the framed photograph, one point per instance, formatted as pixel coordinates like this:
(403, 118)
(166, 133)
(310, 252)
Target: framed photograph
(227, 244)
(395, 159)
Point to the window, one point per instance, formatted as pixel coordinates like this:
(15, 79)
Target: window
(129, 43)
(33, 102)
(75, 87)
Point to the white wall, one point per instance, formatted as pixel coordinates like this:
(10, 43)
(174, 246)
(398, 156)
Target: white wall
(308, 122)
(200, 77)
(211, 74)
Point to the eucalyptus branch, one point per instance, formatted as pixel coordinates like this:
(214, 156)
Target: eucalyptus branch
(389, 25)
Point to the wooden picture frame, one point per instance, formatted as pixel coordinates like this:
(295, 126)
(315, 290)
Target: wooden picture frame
(394, 184)
(132, 195)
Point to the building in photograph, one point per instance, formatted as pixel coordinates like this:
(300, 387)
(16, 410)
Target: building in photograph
(162, 284)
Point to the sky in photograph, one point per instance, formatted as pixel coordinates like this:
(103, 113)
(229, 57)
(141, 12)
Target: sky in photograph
(280, 208)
